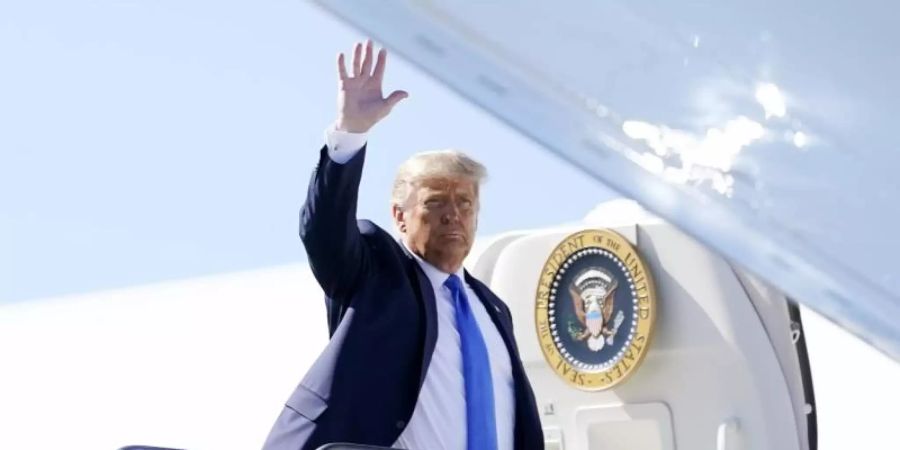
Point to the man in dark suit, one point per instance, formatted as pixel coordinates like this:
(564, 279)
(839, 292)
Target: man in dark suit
(422, 355)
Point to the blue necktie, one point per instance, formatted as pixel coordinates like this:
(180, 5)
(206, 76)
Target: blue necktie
(480, 419)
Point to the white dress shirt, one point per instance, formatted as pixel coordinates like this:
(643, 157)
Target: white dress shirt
(439, 418)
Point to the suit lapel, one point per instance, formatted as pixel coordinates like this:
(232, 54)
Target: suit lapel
(426, 298)
(525, 420)
(495, 310)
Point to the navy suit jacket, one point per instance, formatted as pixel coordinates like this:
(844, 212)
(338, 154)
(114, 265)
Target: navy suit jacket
(383, 323)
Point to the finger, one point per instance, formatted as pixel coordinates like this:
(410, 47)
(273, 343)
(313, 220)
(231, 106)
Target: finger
(357, 60)
(395, 98)
(367, 61)
(379, 65)
(342, 69)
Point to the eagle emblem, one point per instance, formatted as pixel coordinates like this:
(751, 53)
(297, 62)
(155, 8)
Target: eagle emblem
(593, 292)
(594, 309)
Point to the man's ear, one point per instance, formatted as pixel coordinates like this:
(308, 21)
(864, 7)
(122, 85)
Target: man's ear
(399, 218)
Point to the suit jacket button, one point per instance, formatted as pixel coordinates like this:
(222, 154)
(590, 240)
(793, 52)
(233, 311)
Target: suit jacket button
(401, 424)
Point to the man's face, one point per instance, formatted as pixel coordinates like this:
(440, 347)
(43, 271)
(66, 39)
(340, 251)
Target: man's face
(439, 220)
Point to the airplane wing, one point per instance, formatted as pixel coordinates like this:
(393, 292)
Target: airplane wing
(763, 129)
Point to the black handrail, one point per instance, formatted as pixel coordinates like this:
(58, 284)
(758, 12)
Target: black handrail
(334, 446)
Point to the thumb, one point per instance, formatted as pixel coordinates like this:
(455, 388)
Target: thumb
(395, 98)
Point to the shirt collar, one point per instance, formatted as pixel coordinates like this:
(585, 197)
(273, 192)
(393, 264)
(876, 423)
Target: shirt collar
(435, 275)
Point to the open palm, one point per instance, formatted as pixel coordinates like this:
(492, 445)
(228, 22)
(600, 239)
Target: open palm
(361, 103)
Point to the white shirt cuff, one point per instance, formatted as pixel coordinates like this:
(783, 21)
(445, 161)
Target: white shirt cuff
(343, 145)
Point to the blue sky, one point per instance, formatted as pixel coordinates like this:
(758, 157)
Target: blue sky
(147, 141)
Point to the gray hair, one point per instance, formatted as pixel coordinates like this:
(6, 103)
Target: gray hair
(434, 164)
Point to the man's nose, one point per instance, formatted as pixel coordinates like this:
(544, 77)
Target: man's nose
(451, 214)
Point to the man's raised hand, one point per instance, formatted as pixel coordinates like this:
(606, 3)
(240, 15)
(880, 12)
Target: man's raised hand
(361, 103)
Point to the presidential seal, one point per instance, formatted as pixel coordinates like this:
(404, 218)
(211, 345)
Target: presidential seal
(595, 309)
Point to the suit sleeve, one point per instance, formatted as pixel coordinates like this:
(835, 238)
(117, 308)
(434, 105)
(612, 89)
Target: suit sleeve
(337, 254)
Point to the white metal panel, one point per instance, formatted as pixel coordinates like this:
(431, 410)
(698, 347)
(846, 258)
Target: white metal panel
(710, 358)
(646, 426)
